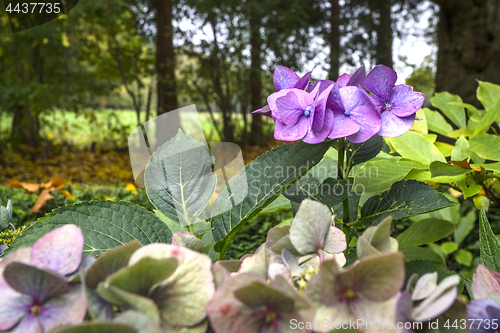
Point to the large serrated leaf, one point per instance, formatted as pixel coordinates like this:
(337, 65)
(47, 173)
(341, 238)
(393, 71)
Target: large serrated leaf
(267, 176)
(104, 224)
(405, 198)
(179, 179)
(489, 244)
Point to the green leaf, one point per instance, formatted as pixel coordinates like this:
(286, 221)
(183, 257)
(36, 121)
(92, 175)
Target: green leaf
(121, 297)
(412, 252)
(379, 175)
(440, 169)
(281, 203)
(463, 257)
(405, 198)
(449, 247)
(426, 176)
(179, 179)
(444, 148)
(461, 150)
(259, 294)
(414, 146)
(110, 262)
(488, 93)
(267, 176)
(436, 122)
(464, 227)
(139, 321)
(95, 328)
(486, 146)
(455, 113)
(143, 275)
(491, 116)
(4, 218)
(425, 232)
(469, 187)
(104, 224)
(365, 151)
(467, 106)
(489, 245)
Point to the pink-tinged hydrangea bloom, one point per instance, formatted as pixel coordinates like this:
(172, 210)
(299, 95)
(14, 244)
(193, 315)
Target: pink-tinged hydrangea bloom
(397, 105)
(35, 294)
(285, 78)
(485, 307)
(484, 316)
(300, 115)
(355, 115)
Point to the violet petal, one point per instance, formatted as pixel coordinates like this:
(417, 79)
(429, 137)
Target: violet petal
(266, 111)
(314, 136)
(303, 82)
(284, 78)
(291, 133)
(393, 126)
(13, 307)
(29, 324)
(318, 114)
(343, 79)
(343, 126)
(380, 81)
(59, 250)
(289, 104)
(405, 101)
(369, 123)
(69, 308)
(357, 78)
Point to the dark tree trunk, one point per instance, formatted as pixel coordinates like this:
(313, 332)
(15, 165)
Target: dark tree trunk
(383, 49)
(165, 68)
(257, 136)
(468, 46)
(26, 123)
(334, 39)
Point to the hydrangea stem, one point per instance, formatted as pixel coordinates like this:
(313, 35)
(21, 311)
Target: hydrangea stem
(345, 202)
(341, 175)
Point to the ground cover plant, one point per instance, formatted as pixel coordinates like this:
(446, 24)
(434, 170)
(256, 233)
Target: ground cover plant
(365, 161)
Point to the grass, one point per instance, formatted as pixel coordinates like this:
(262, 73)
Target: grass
(110, 127)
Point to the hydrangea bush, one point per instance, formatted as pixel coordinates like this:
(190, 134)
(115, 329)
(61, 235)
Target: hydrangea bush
(116, 267)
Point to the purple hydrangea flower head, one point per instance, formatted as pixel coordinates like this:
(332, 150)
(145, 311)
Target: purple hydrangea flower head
(486, 313)
(285, 78)
(301, 115)
(36, 296)
(397, 105)
(355, 116)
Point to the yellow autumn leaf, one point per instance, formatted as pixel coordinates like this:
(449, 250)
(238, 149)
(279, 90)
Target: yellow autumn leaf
(64, 40)
(131, 188)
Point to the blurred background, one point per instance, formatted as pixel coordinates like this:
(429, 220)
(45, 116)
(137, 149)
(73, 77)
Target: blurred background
(74, 88)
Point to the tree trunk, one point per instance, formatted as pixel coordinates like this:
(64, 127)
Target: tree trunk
(383, 49)
(334, 39)
(468, 46)
(26, 123)
(165, 68)
(257, 136)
